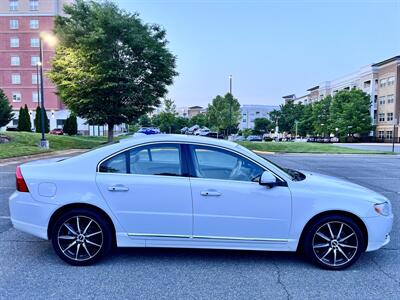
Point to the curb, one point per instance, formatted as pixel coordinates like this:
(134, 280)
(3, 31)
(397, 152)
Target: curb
(20, 159)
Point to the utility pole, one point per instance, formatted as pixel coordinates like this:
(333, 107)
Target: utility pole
(230, 104)
(43, 142)
(394, 131)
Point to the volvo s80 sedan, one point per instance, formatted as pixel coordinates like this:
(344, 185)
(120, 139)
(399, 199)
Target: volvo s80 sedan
(194, 192)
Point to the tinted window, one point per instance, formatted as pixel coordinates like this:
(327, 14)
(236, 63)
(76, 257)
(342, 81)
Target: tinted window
(156, 160)
(220, 164)
(160, 159)
(116, 164)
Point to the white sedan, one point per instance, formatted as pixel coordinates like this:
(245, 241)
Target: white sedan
(194, 192)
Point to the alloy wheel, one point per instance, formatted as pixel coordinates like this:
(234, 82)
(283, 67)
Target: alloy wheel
(335, 243)
(80, 238)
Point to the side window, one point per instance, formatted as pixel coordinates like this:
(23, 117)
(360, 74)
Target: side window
(116, 164)
(161, 159)
(221, 164)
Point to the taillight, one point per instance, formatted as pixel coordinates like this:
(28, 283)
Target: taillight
(21, 184)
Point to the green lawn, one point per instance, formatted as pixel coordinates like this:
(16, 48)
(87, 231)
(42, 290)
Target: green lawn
(25, 143)
(297, 147)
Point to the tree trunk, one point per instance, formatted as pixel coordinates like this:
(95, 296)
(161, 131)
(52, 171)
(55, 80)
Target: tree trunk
(110, 133)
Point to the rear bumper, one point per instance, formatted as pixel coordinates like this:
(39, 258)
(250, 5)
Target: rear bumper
(378, 231)
(29, 215)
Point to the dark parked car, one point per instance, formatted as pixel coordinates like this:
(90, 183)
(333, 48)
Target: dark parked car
(254, 138)
(57, 131)
(215, 135)
(149, 130)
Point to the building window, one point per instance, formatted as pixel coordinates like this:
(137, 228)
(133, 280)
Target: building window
(14, 42)
(382, 82)
(35, 60)
(33, 4)
(389, 134)
(60, 123)
(16, 78)
(16, 97)
(35, 96)
(381, 134)
(390, 80)
(390, 116)
(15, 61)
(35, 78)
(13, 5)
(14, 24)
(382, 100)
(34, 42)
(381, 117)
(34, 24)
(390, 99)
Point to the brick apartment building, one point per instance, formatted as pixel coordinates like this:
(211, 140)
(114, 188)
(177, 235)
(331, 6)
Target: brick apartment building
(381, 81)
(21, 22)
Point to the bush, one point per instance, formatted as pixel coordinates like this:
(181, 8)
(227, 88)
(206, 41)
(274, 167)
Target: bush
(24, 120)
(6, 113)
(71, 125)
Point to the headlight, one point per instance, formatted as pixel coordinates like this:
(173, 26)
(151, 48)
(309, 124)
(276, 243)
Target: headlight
(382, 208)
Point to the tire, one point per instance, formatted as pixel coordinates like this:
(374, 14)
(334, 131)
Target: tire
(334, 242)
(81, 237)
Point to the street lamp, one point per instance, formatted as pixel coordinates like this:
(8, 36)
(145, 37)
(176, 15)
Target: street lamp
(230, 103)
(51, 41)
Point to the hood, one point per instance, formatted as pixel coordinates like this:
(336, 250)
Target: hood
(341, 186)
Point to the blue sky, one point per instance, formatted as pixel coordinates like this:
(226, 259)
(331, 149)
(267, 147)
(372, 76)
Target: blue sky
(272, 48)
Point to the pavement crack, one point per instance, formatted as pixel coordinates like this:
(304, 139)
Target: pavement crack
(384, 272)
(280, 282)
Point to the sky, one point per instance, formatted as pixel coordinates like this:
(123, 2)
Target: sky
(272, 48)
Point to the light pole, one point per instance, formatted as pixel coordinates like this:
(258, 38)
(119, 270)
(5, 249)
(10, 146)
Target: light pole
(394, 131)
(230, 104)
(51, 40)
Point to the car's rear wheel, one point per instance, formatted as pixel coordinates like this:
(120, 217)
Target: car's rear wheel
(334, 242)
(81, 237)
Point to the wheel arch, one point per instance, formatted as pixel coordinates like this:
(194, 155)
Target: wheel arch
(63, 209)
(350, 215)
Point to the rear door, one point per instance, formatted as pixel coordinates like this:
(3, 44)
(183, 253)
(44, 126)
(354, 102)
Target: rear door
(148, 191)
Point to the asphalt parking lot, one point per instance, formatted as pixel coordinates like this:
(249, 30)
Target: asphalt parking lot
(29, 269)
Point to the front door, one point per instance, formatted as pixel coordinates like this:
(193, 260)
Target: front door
(146, 190)
(229, 203)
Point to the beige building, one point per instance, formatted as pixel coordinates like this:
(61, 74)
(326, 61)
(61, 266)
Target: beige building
(381, 81)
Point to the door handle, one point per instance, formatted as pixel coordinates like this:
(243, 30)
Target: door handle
(210, 193)
(118, 188)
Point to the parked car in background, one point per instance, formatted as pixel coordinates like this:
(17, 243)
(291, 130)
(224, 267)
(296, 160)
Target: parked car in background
(193, 129)
(254, 138)
(11, 128)
(184, 130)
(334, 139)
(239, 138)
(56, 131)
(193, 192)
(149, 130)
(215, 135)
(202, 131)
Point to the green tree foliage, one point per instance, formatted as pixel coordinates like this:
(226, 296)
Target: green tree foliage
(38, 120)
(306, 122)
(200, 119)
(145, 121)
(24, 120)
(71, 125)
(287, 115)
(109, 66)
(224, 113)
(246, 132)
(321, 116)
(6, 113)
(168, 116)
(262, 125)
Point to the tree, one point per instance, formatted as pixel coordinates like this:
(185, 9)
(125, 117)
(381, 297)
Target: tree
(224, 113)
(168, 116)
(71, 125)
(262, 125)
(6, 113)
(321, 116)
(109, 66)
(200, 119)
(306, 122)
(24, 120)
(350, 113)
(38, 121)
(145, 121)
(287, 115)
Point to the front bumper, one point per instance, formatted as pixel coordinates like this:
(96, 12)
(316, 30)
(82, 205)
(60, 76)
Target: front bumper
(29, 215)
(378, 231)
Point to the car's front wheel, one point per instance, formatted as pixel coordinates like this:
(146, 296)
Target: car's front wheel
(81, 237)
(334, 242)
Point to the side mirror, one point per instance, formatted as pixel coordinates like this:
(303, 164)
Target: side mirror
(268, 179)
